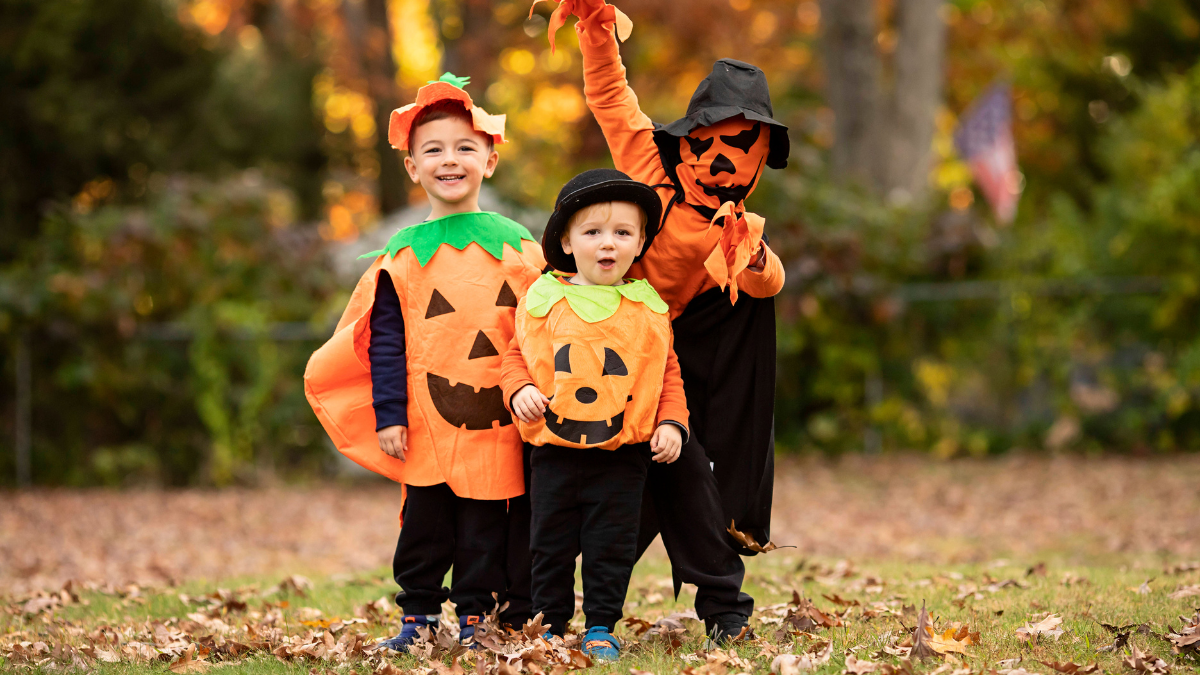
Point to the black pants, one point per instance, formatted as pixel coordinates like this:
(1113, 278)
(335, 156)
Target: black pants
(442, 530)
(518, 565)
(727, 355)
(585, 501)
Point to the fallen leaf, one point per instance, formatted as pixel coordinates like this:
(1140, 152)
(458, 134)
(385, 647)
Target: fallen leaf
(1141, 662)
(921, 648)
(1071, 668)
(857, 666)
(1048, 626)
(791, 664)
(186, 664)
(1185, 592)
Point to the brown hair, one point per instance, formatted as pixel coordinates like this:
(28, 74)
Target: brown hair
(441, 110)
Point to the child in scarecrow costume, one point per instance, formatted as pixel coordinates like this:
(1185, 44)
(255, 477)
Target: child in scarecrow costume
(594, 384)
(712, 266)
(409, 384)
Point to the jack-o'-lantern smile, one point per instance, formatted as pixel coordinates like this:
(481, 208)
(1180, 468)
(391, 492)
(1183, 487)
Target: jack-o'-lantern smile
(722, 163)
(459, 403)
(587, 389)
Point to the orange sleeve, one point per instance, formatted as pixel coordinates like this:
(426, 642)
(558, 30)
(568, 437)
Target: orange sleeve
(672, 403)
(629, 132)
(514, 374)
(766, 283)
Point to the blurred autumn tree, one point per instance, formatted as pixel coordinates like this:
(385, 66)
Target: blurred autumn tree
(172, 171)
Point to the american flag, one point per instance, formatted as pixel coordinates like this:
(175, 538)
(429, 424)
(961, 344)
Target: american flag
(984, 139)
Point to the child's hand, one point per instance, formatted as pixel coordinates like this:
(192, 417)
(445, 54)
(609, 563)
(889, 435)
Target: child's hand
(393, 441)
(529, 404)
(666, 443)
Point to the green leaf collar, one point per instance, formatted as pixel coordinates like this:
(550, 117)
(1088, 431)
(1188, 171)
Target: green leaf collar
(590, 303)
(491, 231)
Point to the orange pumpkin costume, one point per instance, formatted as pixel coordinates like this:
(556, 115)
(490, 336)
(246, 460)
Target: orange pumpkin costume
(611, 380)
(697, 249)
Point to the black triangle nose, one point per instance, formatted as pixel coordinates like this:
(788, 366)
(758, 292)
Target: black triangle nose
(482, 347)
(722, 164)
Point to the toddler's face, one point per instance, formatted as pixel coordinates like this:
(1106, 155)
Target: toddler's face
(450, 159)
(604, 242)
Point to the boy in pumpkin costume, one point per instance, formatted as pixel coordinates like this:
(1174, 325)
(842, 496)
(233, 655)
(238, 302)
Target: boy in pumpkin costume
(408, 386)
(712, 266)
(594, 384)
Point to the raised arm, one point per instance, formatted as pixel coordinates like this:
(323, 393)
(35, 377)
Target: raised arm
(765, 283)
(627, 129)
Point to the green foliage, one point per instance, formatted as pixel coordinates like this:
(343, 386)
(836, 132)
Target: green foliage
(148, 327)
(1033, 355)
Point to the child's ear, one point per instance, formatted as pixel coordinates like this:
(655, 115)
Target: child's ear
(490, 167)
(566, 245)
(411, 167)
(641, 243)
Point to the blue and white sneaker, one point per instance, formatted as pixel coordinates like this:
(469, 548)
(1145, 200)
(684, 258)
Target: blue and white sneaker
(600, 644)
(466, 628)
(408, 631)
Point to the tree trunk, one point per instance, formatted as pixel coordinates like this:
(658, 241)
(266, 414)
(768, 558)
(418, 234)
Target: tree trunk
(883, 126)
(469, 46)
(852, 74)
(368, 24)
(916, 93)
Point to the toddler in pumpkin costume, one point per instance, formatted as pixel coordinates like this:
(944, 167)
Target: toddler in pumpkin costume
(409, 385)
(593, 381)
(713, 267)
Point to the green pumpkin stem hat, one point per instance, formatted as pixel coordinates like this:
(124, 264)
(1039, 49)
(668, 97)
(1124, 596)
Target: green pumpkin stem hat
(593, 187)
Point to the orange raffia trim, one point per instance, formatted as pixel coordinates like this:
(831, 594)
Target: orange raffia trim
(595, 12)
(740, 239)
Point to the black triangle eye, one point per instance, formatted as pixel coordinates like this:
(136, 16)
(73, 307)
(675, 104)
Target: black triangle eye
(438, 305)
(482, 347)
(562, 359)
(698, 146)
(613, 364)
(745, 140)
(506, 298)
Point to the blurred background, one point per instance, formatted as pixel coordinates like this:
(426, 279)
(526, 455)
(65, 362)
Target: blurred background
(184, 186)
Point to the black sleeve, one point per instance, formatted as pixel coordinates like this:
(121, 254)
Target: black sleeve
(389, 368)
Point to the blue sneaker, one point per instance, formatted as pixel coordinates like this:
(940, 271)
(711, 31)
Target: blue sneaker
(466, 628)
(599, 644)
(408, 631)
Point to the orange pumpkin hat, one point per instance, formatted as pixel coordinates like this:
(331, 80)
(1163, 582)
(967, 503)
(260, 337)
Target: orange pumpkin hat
(447, 88)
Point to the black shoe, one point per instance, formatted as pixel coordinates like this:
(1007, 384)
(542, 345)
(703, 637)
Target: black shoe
(727, 627)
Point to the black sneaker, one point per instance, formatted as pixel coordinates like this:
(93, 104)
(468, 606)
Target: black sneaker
(727, 627)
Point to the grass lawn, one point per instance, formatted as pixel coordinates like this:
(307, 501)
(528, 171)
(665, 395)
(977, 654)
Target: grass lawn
(875, 604)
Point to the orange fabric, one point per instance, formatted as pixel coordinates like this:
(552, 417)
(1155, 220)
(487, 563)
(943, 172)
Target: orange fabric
(675, 264)
(458, 319)
(626, 407)
(401, 119)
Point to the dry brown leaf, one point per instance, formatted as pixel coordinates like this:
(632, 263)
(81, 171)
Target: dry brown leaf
(748, 541)
(1187, 640)
(857, 666)
(792, 664)
(921, 648)
(952, 640)
(187, 664)
(1185, 592)
(1141, 662)
(1048, 626)
(1071, 668)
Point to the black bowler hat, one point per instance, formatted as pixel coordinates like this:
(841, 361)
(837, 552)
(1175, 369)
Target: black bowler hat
(593, 187)
(733, 88)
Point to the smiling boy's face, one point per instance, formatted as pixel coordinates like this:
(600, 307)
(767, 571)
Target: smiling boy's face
(450, 160)
(604, 239)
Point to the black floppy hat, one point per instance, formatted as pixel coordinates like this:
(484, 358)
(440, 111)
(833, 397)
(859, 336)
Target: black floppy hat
(732, 88)
(593, 187)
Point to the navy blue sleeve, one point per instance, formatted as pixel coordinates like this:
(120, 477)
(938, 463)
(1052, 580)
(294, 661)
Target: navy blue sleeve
(389, 368)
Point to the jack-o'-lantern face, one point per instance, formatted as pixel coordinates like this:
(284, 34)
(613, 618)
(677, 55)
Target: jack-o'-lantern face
(465, 353)
(722, 163)
(591, 388)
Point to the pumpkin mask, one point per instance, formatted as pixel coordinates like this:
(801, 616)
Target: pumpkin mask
(722, 163)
